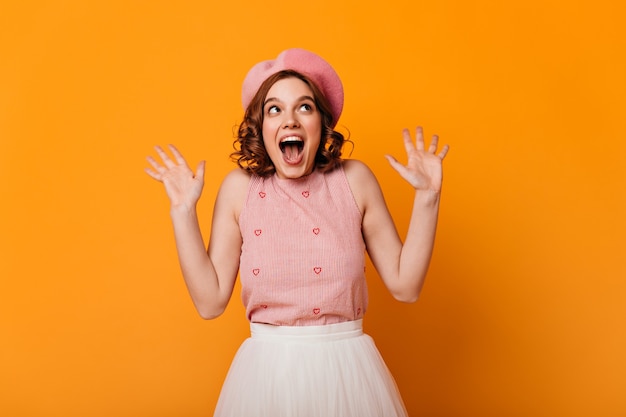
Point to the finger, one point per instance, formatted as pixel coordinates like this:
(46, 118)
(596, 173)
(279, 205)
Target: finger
(395, 164)
(408, 142)
(153, 174)
(164, 157)
(154, 164)
(444, 151)
(419, 138)
(433, 144)
(200, 170)
(177, 155)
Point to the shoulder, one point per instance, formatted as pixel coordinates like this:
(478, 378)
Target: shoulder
(362, 182)
(236, 178)
(234, 190)
(358, 174)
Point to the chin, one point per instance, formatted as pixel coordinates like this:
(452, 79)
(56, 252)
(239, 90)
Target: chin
(292, 172)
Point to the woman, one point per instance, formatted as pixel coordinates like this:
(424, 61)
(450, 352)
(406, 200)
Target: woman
(295, 221)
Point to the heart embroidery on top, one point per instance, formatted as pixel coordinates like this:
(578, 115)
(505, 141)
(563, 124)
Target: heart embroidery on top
(256, 271)
(316, 230)
(317, 270)
(262, 194)
(305, 194)
(358, 311)
(257, 232)
(264, 305)
(316, 311)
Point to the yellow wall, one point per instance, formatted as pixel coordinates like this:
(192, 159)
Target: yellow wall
(523, 313)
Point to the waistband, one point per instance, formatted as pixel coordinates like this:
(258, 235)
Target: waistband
(327, 332)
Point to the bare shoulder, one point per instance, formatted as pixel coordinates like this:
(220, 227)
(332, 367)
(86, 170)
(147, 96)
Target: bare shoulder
(357, 172)
(233, 191)
(236, 178)
(362, 181)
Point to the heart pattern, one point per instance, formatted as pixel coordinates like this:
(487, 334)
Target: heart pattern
(268, 278)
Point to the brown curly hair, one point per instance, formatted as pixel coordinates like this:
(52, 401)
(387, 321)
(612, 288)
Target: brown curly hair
(250, 153)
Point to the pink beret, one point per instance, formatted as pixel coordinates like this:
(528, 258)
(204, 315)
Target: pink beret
(304, 62)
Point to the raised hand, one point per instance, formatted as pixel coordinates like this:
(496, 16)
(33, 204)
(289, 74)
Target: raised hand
(424, 167)
(182, 185)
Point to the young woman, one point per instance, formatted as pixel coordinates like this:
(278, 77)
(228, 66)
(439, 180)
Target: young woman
(294, 222)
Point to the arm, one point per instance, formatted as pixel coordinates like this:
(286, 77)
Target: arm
(209, 274)
(402, 267)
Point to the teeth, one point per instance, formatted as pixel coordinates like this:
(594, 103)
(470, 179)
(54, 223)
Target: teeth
(291, 139)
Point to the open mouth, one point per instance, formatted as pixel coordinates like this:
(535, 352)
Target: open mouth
(291, 147)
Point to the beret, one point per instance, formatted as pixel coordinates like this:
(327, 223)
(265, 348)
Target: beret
(304, 62)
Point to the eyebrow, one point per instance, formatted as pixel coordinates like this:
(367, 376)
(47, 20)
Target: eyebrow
(301, 98)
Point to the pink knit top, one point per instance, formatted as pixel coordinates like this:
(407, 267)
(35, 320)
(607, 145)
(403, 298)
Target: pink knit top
(303, 256)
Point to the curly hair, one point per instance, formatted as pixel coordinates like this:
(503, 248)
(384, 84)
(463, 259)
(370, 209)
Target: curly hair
(250, 153)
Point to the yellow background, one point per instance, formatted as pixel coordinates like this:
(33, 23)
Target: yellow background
(523, 312)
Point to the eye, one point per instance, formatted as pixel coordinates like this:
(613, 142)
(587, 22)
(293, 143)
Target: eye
(273, 110)
(306, 107)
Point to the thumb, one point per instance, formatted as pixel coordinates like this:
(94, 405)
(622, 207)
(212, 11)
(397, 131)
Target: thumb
(394, 163)
(200, 170)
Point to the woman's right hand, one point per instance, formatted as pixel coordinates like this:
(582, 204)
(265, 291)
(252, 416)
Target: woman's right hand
(182, 185)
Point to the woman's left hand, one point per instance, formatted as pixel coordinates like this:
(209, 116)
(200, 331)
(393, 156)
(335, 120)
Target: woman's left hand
(424, 167)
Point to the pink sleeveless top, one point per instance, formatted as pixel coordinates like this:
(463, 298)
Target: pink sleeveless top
(303, 256)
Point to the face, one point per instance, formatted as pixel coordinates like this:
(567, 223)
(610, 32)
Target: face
(292, 127)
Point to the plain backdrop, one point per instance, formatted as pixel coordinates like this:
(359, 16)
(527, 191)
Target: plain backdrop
(523, 311)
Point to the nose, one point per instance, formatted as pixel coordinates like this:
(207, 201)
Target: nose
(291, 120)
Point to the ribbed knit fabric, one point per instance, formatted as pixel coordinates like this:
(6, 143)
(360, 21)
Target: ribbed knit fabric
(303, 255)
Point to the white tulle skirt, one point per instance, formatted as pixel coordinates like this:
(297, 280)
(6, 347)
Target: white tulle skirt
(309, 371)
